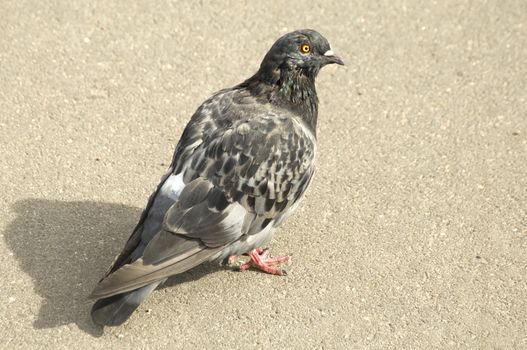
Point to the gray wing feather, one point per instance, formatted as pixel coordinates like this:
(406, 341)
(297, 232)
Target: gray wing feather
(138, 274)
(166, 245)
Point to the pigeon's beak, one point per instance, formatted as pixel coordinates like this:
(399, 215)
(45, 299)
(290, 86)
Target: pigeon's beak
(330, 58)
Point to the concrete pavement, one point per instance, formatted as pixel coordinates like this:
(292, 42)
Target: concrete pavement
(413, 235)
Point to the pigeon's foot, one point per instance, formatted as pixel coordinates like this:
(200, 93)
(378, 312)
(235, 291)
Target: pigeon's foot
(261, 260)
(233, 259)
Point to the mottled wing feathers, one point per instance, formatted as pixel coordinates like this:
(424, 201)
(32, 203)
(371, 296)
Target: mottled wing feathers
(257, 157)
(238, 167)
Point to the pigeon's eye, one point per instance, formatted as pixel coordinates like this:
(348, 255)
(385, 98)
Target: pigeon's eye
(305, 48)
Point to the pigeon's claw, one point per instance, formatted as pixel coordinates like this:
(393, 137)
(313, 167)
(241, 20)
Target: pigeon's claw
(233, 259)
(260, 259)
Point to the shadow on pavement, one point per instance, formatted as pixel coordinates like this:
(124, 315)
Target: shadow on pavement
(66, 247)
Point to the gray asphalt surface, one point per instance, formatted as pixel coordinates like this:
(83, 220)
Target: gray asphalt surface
(413, 235)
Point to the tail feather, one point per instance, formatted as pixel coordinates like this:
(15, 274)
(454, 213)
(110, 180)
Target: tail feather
(115, 310)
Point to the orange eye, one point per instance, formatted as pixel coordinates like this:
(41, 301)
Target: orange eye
(305, 48)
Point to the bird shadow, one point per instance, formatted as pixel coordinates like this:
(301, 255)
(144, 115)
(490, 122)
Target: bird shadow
(65, 247)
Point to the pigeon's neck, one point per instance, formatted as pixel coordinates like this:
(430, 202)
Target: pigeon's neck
(290, 89)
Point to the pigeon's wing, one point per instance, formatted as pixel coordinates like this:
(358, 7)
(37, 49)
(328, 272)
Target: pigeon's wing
(169, 184)
(241, 172)
(260, 160)
(170, 242)
(257, 159)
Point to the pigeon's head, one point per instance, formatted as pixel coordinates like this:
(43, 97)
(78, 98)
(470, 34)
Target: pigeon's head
(303, 50)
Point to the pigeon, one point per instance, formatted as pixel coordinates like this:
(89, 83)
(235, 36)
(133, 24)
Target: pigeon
(241, 167)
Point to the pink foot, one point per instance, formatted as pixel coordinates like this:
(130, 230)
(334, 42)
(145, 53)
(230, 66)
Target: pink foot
(232, 260)
(260, 259)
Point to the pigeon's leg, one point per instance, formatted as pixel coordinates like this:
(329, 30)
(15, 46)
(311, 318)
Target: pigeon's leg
(260, 259)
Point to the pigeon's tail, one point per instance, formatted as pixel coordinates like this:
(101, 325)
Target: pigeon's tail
(115, 310)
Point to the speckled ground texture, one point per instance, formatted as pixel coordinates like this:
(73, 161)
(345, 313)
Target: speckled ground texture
(412, 236)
